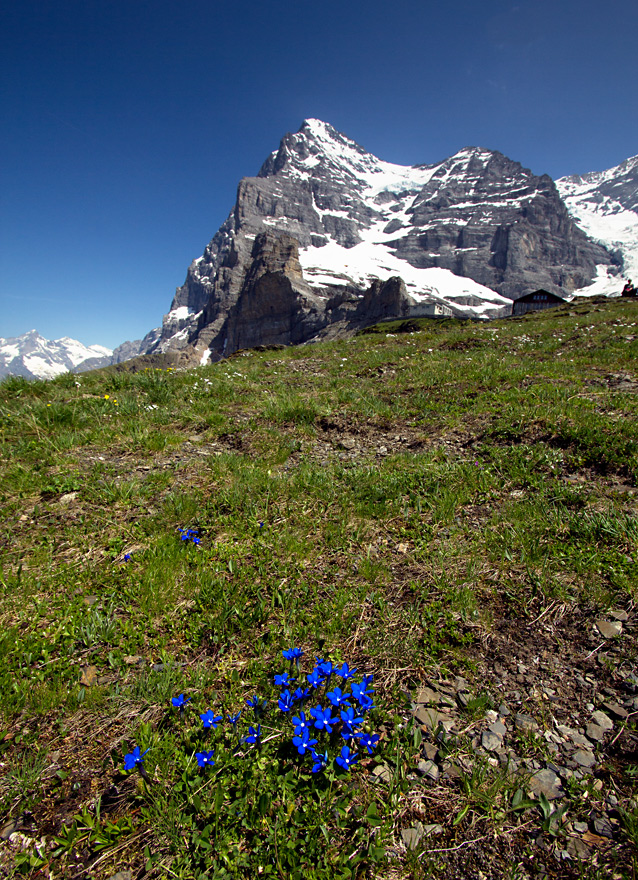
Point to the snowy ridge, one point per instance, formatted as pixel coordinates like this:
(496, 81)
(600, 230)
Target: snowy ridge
(605, 205)
(35, 357)
(386, 192)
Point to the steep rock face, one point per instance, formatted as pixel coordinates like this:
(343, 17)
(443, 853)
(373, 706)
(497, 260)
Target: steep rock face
(483, 216)
(316, 237)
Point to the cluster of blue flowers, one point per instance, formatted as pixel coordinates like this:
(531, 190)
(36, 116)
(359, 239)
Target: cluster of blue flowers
(344, 717)
(190, 535)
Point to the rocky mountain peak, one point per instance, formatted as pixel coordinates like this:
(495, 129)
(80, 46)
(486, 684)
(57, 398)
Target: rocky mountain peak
(469, 233)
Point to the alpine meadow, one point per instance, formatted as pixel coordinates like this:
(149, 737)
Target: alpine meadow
(364, 608)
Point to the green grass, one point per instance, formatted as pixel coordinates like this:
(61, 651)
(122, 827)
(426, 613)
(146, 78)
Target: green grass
(378, 500)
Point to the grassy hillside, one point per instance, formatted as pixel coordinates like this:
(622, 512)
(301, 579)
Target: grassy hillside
(451, 510)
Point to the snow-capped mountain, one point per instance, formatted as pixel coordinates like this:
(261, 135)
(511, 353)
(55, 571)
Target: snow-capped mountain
(328, 238)
(605, 205)
(35, 357)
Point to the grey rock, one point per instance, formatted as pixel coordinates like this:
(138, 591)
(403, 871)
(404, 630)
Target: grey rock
(584, 759)
(428, 696)
(498, 728)
(581, 827)
(412, 837)
(609, 629)
(619, 615)
(595, 732)
(525, 722)
(383, 773)
(580, 740)
(435, 828)
(491, 741)
(548, 783)
(430, 751)
(429, 769)
(615, 709)
(578, 849)
(603, 720)
(603, 828)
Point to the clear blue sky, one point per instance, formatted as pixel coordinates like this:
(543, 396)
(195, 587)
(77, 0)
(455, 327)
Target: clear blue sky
(126, 126)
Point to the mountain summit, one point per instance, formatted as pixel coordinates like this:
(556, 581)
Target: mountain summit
(328, 238)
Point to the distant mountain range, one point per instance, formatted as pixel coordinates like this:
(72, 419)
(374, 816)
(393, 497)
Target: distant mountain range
(328, 238)
(34, 357)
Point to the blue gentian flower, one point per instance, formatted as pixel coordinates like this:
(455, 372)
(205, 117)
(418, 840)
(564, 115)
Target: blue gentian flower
(205, 759)
(301, 694)
(134, 758)
(253, 703)
(209, 719)
(285, 701)
(283, 680)
(180, 702)
(323, 718)
(337, 697)
(303, 743)
(301, 723)
(368, 740)
(320, 762)
(315, 678)
(326, 667)
(233, 719)
(292, 654)
(127, 557)
(254, 736)
(350, 722)
(347, 758)
(345, 672)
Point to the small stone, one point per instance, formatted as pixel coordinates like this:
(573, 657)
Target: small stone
(430, 751)
(383, 773)
(427, 696)
(67, 498)
(429, 769)
(498, 728)
(615, 709)
(580, 827)
(122, 875)
(525, 722)
(598, 785)
(603, 828)
(432, 829)
(491, 716)
(133, 660)
(503, 711)
(584, 758)
(619, 615)
(347, 443)
(580, 740)
(577, 849)
(595, 733)
(463, 698)
(603, 720)
(548, 783)
(431, 719)
(89, 676)
(609, 629)
(564, 730)
(412, 836)
(491, 741)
